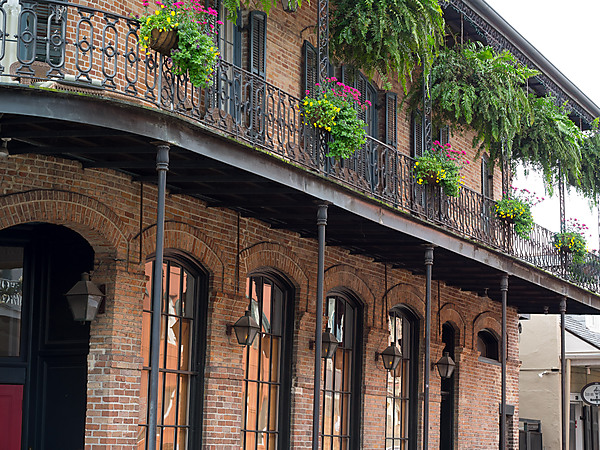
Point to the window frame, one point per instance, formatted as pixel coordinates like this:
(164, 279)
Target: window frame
(197, 346)
(413, 373)
(285, 359)
(486, 336)
(355, 406)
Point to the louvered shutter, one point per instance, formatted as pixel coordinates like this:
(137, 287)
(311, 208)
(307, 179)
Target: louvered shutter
(258, 43)
(310, 67)
(391, 119)
(486, 178)
(445, 134)
(416, 135)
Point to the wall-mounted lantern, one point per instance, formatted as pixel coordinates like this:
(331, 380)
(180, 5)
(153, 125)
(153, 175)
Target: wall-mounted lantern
(329, 344)
(85, 299)
(391, 357)
(246, 328)
(445, 366)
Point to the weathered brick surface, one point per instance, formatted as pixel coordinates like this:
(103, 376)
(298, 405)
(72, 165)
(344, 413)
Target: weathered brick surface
(104, 207)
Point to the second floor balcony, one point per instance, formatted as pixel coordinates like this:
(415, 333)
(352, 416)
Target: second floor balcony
(57, 48)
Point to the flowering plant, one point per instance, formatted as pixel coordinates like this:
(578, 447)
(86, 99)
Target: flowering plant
(516, 208)
(332, 107)
(441, 165)
(572, 240)
(196, 52)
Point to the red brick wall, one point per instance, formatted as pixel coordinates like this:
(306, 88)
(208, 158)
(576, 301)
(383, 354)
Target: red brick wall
(104, 207)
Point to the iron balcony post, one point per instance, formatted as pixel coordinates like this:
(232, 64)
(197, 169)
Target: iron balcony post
(428, 270)
(563, 375)
(504, 291)
(162, 166)
(321, 223)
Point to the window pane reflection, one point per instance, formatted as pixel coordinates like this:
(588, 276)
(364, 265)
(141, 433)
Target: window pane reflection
(11, 300)
(262, 367)
(175, 374)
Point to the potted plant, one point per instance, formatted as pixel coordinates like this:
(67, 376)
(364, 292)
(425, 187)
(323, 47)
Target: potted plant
(441, 165)
(333, 108)
(516, 209)
(572, 240)
(186, 32)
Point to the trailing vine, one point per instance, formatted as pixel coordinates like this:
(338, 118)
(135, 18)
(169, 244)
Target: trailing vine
(386, 36)
(588, 182)
(264, 5)
(550, 141)
(474, 86)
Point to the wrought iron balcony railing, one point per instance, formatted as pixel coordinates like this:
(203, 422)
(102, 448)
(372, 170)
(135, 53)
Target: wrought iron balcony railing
(75, 47)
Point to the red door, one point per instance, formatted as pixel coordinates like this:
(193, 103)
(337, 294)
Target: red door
(11, 405)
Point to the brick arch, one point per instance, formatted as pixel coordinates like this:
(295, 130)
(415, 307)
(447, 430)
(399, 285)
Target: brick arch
(448, 313)
(343, 276)
(191, 240)
(483, 321)
(93, 220)
(277, 256)
(407, 295)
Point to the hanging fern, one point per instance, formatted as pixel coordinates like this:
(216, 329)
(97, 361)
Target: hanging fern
(473, 86)
(264, 5)
(588, 183)
(549, 142)
(386, 36)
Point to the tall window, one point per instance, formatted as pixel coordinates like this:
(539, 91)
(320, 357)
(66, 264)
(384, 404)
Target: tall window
(341, 376)
(180, 384)
(400, 418)
(265, 422)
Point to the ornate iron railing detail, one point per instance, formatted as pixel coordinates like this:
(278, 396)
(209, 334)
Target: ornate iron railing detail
(100, 56)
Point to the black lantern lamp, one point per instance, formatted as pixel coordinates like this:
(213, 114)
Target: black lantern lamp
(329, 344)
(391, 357)
(445, 366)
(290, 5)
(246, 328)
(85, 299)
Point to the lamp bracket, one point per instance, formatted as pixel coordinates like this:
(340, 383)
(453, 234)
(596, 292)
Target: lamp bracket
(102, 305)
(311, 344)
(228, 329)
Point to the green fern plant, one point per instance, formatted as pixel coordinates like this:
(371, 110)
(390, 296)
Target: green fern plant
(549, 142)
(264, 5)
(588, 182)
(386, 36)
(475, 87)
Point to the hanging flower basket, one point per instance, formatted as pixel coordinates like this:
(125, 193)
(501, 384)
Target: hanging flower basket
(441, 166)
(163, 41)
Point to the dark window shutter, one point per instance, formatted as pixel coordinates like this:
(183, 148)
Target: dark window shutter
(391, 119)
(445, 134)
(486, 178)
(258, 43)
(310, 67)
(416, 135)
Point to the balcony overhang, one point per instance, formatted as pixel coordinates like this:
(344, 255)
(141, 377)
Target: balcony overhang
(105, 133)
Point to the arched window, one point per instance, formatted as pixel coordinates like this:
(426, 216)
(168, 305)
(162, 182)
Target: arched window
(401, 397)
(183, 332)
(267, 364)
(341, 375)
(487, 345)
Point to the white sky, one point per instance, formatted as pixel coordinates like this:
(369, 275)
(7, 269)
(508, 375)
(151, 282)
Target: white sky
(568, 35)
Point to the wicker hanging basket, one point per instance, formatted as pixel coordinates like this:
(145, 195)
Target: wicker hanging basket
(163, 41)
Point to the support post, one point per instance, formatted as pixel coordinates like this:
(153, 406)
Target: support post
(162, 166)
(427, 127)
(563, 375)
(428, 270)
(321, 223)
(504, 291)
(323, 40)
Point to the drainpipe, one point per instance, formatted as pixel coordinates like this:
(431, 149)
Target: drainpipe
(428, 269)
(563, 373)
(321, 223)
(162, 166)
(504, 291)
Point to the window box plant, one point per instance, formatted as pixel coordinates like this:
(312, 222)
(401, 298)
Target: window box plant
(516, 209)
(186, 32)
(572, 240)
(441, 165)
(333, 108)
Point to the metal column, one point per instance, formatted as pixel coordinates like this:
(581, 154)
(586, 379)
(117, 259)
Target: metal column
(321, 223)
(504, 291)
(323, 40)
(428, 269)
(564, 408)
(162, 166)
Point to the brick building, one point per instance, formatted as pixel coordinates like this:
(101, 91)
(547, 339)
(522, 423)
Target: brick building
(82, 119)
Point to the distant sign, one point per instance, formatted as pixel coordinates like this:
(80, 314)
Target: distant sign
(591, 393)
